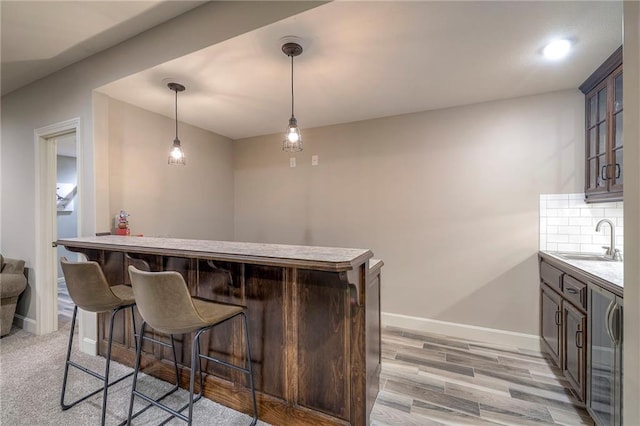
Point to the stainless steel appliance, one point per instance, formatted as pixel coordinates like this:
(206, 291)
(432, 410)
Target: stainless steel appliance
(604, 361)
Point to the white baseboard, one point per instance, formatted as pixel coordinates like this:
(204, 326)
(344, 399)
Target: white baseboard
(89, 346)
(27, 324)
(463, 331)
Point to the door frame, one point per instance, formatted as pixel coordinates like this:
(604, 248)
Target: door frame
(46, 271)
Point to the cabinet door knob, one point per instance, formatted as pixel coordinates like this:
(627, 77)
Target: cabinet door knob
(572, 290)
(558, 317)
(618, 170)
(604, 172)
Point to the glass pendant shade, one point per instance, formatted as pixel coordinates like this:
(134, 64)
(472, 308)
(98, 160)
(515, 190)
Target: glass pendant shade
(293, 139)
(176, 155)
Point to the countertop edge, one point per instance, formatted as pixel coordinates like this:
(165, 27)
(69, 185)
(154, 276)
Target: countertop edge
(337, 266)
(375, 265)
(586, 275)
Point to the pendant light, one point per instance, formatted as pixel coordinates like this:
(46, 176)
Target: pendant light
(176, 155)
(293, 139)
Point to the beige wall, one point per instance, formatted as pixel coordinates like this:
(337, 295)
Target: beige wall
(67, 94)
(194, 201)
(449, 199)
(631, 212)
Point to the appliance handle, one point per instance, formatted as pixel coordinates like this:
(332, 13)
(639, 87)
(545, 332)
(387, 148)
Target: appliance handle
(609, 317)
(617, 311)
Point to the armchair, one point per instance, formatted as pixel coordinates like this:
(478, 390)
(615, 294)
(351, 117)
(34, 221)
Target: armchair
(12, 284)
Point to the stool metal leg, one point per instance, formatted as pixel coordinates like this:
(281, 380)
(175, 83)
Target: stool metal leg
(249, 367)
(135, 371)
(175, 360)
(196, 363)
(106, 368)
(135, 392)
(105, 379)
(195, 356)
(66, 363)
(248, 370)
(192, 375)
(133, 323)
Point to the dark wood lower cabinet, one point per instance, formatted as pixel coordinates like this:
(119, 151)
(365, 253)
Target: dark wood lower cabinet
(315, 335)
(550, 321)
(563, 325)
(574, 358)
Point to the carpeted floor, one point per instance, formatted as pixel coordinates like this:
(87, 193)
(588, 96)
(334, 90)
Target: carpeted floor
(31, 370)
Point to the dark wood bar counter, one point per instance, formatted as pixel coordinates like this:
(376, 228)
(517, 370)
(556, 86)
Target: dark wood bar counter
(314, 322)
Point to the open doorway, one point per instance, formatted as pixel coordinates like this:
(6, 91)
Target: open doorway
(66, 212)
(51, 198)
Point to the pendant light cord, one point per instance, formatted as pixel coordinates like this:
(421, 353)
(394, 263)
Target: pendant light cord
(176, 104)
(291, 85)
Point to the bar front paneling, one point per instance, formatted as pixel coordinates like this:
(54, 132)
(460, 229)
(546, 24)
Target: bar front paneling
(313, 313)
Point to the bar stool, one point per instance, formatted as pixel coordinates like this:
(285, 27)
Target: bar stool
(165, 304)
(90, 291)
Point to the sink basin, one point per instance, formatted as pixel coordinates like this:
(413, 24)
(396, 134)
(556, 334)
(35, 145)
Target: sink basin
(584, 256)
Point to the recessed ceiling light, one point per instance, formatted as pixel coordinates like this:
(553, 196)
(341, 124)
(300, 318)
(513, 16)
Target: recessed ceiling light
(557, 49)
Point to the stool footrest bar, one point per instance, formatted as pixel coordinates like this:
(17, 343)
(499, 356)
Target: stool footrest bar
(226, 364)
(160, 342)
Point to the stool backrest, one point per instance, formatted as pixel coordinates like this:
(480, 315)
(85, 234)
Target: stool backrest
(164, 301)
(88, 286)
(140, 264)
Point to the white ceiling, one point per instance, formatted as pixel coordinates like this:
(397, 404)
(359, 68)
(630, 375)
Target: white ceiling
(372, 59)
(41, 37)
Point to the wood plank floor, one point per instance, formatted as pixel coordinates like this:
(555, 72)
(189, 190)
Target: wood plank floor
(429, 379)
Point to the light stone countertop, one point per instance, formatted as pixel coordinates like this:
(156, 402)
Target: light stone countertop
(612, 272)
(331, 258)
(375, 265)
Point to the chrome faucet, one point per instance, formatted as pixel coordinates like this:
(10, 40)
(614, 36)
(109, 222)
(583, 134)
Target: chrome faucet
(612, 251)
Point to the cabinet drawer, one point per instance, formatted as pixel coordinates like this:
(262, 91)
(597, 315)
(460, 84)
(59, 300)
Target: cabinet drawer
(575, 291)
(550, 275)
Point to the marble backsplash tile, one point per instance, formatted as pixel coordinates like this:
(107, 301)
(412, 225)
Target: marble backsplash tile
(567, 223)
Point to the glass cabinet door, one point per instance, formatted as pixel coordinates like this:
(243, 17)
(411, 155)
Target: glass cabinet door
(616, 174)
(597, 135)
(604, 107)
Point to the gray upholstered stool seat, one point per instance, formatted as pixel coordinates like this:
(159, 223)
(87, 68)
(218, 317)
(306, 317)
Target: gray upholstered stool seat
(124, 293)
(90, 291)
(215, 312)
(165, 304)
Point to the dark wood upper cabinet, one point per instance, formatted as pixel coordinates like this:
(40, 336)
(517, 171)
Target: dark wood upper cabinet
(603, 137)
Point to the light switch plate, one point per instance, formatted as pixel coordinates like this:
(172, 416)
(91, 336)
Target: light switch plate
(292, 162)
(314, 160)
